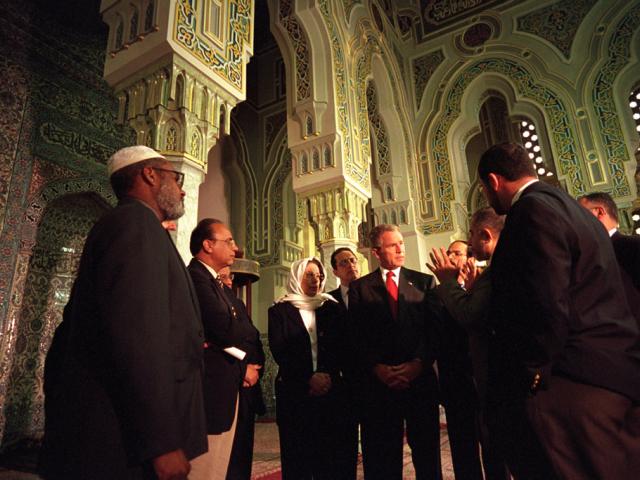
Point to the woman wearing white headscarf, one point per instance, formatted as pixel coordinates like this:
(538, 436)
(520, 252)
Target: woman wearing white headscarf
(305, 331)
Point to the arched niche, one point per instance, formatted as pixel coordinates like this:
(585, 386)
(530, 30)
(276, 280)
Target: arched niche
(43, 284)
(467, 127)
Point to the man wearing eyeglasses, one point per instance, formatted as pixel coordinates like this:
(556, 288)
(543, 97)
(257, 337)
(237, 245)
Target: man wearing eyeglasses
(346, 269)
(225, 365)
(123, 375)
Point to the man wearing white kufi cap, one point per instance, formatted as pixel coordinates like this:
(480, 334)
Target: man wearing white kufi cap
(123, 375)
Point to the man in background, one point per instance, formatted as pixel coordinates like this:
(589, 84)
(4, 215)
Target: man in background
(626, 247)
(345, 267)
(469, 308)
(123, 376)
(457, 387)
(250, 401)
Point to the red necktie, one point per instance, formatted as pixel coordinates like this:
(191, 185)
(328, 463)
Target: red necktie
(392, 288)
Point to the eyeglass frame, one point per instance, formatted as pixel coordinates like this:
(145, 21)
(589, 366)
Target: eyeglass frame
(179, 176)
(229, 241)
(348, 261)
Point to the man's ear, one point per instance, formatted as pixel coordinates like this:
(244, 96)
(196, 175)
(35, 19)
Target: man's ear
(600, 212)
(149, 175)
(375, 252)
(493, 181)
(486, 235)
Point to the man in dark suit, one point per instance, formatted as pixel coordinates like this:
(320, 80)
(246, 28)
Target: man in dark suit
(564, 356)
(393, 317)
(123, 378)
(458, 392)
(225, 365)
(250, 401)
(626, 247)
(345, 267)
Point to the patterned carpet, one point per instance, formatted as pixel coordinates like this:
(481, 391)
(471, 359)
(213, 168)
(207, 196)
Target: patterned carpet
(266, 457)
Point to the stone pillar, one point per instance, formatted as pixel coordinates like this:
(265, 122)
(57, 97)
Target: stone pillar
(177, 78)
(336, 213)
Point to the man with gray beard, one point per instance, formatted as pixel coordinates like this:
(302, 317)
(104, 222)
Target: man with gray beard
(123, 375)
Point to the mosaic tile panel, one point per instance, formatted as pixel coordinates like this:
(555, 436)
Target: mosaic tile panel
(423, 68)
(557, 23)
(227, 65)
(63, 116)
(48, 279)
(619, 53)
(561, 131)
(13, 98)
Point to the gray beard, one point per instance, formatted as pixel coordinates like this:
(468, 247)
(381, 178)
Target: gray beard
(171, 208)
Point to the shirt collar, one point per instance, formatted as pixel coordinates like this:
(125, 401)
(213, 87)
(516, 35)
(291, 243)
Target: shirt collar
(612, 231)
(518, 194)
(211, 270)
(396, 274)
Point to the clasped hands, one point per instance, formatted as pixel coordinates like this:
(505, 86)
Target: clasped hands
(398, 377)
(319, 384)
(251, 375)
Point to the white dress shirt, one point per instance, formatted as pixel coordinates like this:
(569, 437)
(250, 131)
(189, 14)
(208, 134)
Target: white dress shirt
(309, 320)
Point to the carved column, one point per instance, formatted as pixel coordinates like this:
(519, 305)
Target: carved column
(178, 74)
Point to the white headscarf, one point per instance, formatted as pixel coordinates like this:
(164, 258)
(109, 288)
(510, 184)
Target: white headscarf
(296, 296)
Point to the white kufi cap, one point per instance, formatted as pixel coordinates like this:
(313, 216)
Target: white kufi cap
(129, 155)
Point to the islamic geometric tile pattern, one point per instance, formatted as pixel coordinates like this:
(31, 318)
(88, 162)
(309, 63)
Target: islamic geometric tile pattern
(557, 23)
(359, 173)
(423, 68)
(228, 65)
(49, 276)
(560, 129)
(300, 48)
(380, 132)
(57, 127)
(603, 100)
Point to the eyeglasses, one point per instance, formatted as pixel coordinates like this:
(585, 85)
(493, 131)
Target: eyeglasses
(179, 176)
(348, 261)
(313, 276)
(229, 241)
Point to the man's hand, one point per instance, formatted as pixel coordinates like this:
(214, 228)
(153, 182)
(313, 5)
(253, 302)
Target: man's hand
(469, 273)
(319, 384)
(409, 370)
(441, 266)
(251, 375)
(172, 466)
(391, 377)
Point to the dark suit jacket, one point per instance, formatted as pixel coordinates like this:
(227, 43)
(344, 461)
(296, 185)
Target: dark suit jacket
(125, 385)
(383, 339)
(558, 304)
(291, 347)
(627, 249)
(223, 373)
(250, 342)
